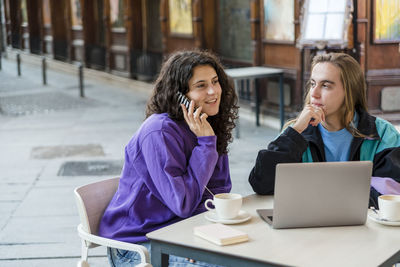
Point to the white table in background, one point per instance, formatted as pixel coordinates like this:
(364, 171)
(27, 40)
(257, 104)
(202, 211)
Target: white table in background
(252, 73)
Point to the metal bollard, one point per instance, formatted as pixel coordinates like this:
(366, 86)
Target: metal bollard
(81, 80)
(19, 64)
(44, 71)
(0, 59)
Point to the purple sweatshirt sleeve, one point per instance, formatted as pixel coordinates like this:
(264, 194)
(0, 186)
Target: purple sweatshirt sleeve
(385, 185)
(178, 179)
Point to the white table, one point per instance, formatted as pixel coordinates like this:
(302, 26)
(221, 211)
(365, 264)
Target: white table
(252, 73)
(371, 244)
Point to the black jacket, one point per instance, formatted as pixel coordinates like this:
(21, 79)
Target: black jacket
(290, 146)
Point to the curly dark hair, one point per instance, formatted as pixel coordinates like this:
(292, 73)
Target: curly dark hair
(174, 76)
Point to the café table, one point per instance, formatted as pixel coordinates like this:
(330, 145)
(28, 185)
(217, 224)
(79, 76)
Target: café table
(252, 73)
(366, 245)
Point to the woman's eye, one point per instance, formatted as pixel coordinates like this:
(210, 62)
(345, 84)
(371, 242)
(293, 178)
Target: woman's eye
(215, 81)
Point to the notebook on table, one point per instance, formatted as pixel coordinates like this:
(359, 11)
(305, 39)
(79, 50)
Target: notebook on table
(220, 234)
(320, 194)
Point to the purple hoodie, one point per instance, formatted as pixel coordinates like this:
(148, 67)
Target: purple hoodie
(166, 168)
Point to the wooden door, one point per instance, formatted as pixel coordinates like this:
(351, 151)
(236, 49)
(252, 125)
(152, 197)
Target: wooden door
(34, 12)
(379, 46)
(24, 25)
(47, 38)
(117, 56)
(60, 25)
(144, 39)
(94, 28)
(187, 24)
(7, 22)
(15, 23)
(233, 32)
(76, 30)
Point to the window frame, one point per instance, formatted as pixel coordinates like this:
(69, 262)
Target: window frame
(322, 43)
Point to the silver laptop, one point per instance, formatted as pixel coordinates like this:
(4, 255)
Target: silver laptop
(320, 194)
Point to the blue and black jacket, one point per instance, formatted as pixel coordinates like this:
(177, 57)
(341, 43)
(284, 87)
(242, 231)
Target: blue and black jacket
(382, 147)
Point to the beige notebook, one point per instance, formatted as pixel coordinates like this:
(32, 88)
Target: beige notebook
(220, 234)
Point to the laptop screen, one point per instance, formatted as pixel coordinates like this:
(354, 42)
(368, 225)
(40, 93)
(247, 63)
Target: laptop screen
(321, 194)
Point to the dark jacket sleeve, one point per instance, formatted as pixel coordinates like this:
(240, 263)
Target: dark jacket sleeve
(387, 160)
(387, 163)
(288, 147)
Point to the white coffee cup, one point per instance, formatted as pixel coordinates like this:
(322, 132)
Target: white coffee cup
(227, 205)
(389, 207)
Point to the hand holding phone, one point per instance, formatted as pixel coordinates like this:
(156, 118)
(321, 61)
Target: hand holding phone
(182, 99)
(196, 120)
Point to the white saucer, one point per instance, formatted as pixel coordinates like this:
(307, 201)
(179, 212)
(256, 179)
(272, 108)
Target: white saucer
(242, 217)
(375, 217)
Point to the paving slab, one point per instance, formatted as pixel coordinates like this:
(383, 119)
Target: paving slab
(98, 261)
(23, 253)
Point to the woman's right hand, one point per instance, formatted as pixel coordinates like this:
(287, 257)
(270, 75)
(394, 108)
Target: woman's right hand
(309, 115)
(197, 121)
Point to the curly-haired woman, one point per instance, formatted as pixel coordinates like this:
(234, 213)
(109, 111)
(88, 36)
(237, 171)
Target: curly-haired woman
(174, 155)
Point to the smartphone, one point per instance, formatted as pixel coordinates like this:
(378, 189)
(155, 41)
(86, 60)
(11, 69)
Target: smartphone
(182, 99)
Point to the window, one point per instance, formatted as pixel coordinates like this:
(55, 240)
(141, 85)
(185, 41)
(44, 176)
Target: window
(46, 13)
(24, 13)
(234, 30)
(180, 17)
(117, 13)
(76, 13)
(325, 23)
(387, 21)
(278, 20)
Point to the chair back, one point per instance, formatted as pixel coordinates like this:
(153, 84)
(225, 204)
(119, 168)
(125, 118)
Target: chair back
(92, 200)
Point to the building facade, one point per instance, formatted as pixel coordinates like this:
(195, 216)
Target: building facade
(130, 37)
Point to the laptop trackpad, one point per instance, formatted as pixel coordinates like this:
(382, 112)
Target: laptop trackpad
(266, 215)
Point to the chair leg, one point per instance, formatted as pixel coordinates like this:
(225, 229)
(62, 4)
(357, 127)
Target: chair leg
(85, 249)
(82, 263)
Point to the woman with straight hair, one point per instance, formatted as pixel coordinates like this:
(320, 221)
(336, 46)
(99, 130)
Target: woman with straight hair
(174, 155)
(334, 125)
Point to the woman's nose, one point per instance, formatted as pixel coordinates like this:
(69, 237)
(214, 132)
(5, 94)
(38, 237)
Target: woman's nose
(211, 89)
(315, 91)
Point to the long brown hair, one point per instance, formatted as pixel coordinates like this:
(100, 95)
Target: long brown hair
(354, 86)
(174, 76)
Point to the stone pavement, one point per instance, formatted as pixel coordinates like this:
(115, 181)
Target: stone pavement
(52, 140)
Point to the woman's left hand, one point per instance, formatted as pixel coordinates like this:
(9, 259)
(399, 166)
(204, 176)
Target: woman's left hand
(197, 121)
